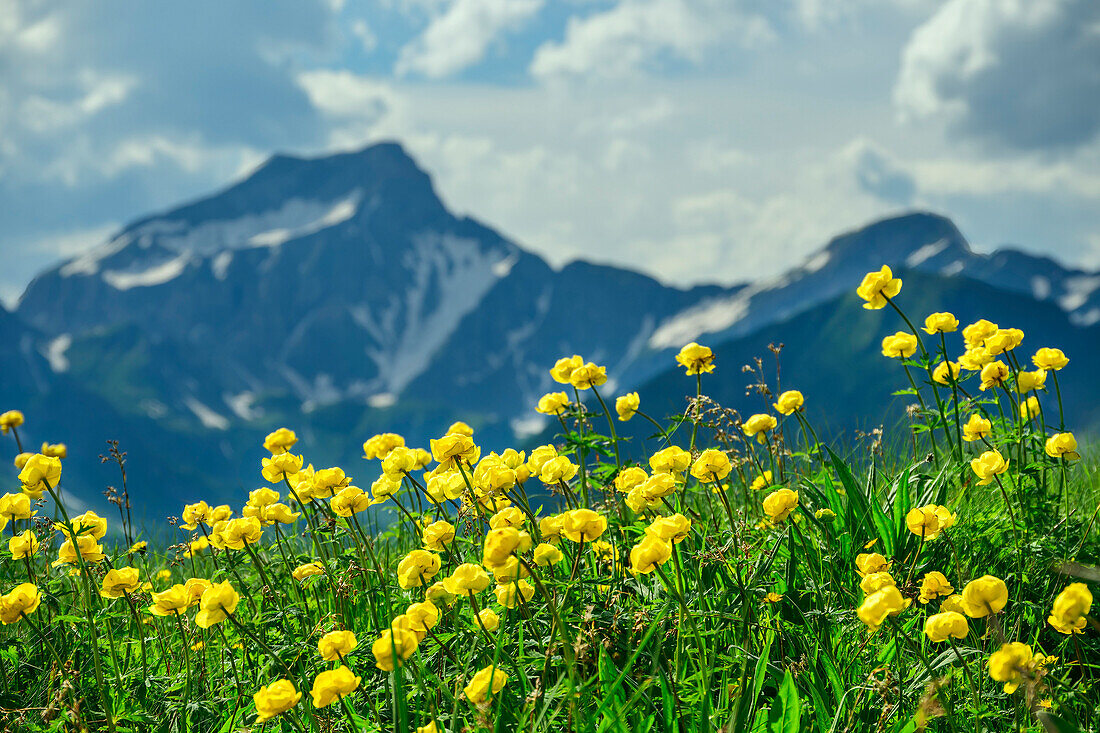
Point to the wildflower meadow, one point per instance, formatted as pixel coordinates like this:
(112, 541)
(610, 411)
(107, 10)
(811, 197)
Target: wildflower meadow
(729, 571)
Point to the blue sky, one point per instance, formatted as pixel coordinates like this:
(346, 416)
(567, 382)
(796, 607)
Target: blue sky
(698, 140)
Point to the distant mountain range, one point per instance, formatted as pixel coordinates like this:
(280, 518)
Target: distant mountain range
(340, 297)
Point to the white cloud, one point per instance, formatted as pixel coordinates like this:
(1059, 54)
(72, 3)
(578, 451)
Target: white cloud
(1021, 73)
(461, 35)
(636, 33)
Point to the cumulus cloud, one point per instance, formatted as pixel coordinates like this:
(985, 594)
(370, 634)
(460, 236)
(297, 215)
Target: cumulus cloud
(1020, 73)
(637, 33)
(460, 36)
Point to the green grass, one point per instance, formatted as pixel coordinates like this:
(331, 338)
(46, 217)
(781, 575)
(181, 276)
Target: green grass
(749, 625)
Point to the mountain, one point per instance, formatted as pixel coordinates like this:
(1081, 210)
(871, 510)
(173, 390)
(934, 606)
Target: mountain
(339, 296)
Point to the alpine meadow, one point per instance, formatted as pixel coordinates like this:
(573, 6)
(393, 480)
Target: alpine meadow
(726, 571)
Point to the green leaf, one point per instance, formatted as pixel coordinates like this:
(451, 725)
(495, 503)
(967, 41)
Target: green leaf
(786, 711)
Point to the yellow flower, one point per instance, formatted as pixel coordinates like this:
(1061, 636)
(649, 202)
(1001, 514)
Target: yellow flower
(940, 323)
(438, 535)
(670, 460)
(773, 597)
(336, 644)
(171, 601)
(934, 586)
(21, 460)
(1050, 359)
(564, 368)
(876, 607)
(789, 402)
(262, 497)
(119, 582)
(422, 616)
(15, 506)
(489, 619)
(674, 528)
(379, 446)
(466, 577)
(54, 450)
(711, 465)
(1062, 445)
(696, 359)
(499, 545)
(987, 465)
(557, 469)
(276, 698)
(762, 482)
(976, 428)
(976, 333)
(417, 567)
(588, 375)
(508, 593)
(552, 403)
(648, 554)
(195, 587)
(88, 523)
(486, 683)
(779, 504)
(461, 428)
(277, 467)
(759, 425)
(1030, 408)
(1009, 664)
(942, 626)
(547, 554)
(1071, 608)
(868, 563)
(583, 525)
(899, 345)
(946, 372)
(38, 472)
(1003, 339)
(330, 685)
(90, 550)
(164, 574)
(877, 287)
(984, 596)
(825, 515)
(627, 405)
(454, 447)
(875, 582)
(195, 514)
(196, 546)
(217, 603)
(280, 441)
(927, 521)
(23, 545)
(1031, 381)
(10, 419)
(630, 477)
(438, 595)
(952, 603)
(396, 644)
(974, 359)
(21, 600)
(239, 532)
(550, 527)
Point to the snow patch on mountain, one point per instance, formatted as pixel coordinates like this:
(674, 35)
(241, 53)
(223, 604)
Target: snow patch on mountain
(220, 264)
(927, 252)
(88, 263)
(156, 275)
(1078, 290)
(55, 352)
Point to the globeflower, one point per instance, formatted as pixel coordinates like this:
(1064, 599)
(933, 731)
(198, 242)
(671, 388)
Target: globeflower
(928, 521)
(15, 506)
(711, 465)
(486, 683)
(868, 563)
(446, 486)
(218, 602)
(987, 465)
(280, 441)
(627, 405)
(789, 402)
(934, 586)
(674, 528)
(758, 425)
(20, 601)
(762, 481)
(240, 532)
(330, 685)
(119, 582)
(940, 323)
(336, 644)
(455, 448)
(943, 626)
(171, 601)
(976, 428)
(648, 554)
(262, 497)
(588, 375)
(422, 616)
(879, 605)
(974, 359)
(875, 582)
(10, 419)
(54, 450)
(280, 466)
(306, 570)
(877, 287)
(395, 645)
(696, 359)
(499, 545)
(984, 596)
(1009, 664)
(946, 372)
(517, 590)
(1031, 381)
(416, 567)
(23, 545)
(488, 619)
(90, 551)
(350, 500)
(552, 403)
(1071, 609)
(673, 459)
(438, 535)
(557, 469)
(779, 504)
(1050, 359)
(39, 472)
(976, 333)
(274, 699)
(88, 523)
(1003, 339)
(379, 446)
(1062, 445)
(465, 579)
(563, 368)
(630, 477)
(583, 525)
(547, 554)
(1030, 408)
(899, 345)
